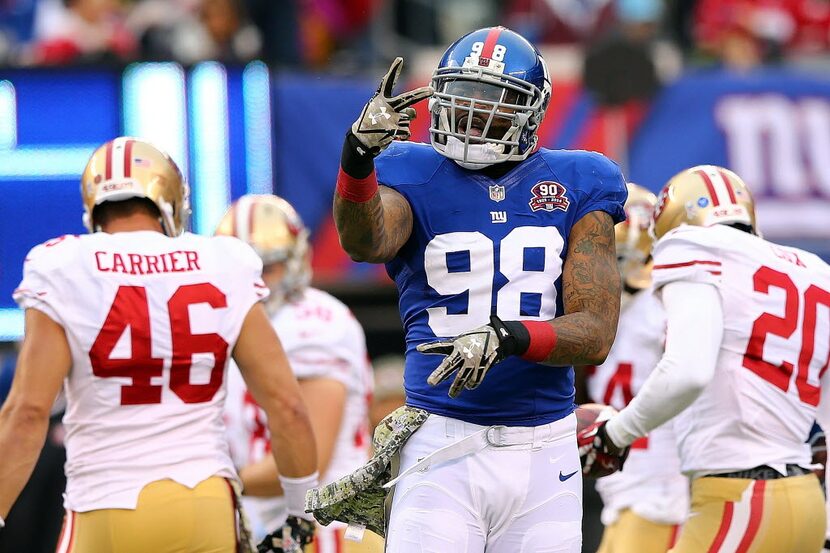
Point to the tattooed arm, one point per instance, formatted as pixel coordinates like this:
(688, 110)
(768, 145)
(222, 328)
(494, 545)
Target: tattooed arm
(375, 230)
(591, 294)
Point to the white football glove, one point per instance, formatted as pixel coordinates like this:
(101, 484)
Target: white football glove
(386, 117)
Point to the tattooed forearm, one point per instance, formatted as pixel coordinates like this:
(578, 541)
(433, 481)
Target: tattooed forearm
(373, 231)
(591, 294)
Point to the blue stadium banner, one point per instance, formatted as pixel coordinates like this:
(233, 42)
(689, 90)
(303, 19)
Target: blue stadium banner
(772, 127)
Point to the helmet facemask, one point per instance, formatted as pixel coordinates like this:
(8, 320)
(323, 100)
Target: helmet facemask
(480, 117)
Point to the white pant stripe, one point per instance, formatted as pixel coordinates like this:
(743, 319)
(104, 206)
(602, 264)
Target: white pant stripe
(740, 520)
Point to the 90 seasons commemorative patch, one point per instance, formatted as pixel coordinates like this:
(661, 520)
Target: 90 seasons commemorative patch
(547, 196)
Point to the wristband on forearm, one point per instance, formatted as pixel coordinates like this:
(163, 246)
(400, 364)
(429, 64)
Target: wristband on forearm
(530, 340)
(356, 180)
(294, 491)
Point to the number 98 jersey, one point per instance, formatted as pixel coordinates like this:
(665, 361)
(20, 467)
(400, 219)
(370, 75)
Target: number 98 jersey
(761, 404)
(482, 246)
(151, 322)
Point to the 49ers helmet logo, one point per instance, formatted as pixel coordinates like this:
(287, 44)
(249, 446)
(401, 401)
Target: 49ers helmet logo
(547, 196)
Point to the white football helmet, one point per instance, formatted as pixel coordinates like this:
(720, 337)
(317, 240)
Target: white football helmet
(633, 238)
(275, 231)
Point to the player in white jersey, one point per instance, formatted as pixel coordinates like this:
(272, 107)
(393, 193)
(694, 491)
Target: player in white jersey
(137, 321)
(744, 366)
(643, 504)
(327, 350)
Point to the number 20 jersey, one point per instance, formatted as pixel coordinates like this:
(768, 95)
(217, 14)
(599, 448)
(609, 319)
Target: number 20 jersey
(761, 404)
(482, 246)
(151, 322)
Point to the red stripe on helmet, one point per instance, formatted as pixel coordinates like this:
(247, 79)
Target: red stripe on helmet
(128, 158)
(728, 184)
(490, 42)
(709, 186)
(108, 156)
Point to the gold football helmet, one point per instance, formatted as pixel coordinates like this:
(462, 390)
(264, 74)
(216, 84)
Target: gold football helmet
(131, 168)
(703, 195)
(633, 238)
(275, 231)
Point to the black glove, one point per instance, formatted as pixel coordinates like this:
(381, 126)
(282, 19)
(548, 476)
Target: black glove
(598, 454)
(473, 353)
(292, 537)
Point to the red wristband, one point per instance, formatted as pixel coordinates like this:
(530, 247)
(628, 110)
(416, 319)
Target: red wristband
(542, 340)
(356, 190)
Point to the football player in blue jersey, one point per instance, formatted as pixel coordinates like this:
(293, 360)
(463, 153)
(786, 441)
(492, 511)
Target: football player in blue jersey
(505, 263)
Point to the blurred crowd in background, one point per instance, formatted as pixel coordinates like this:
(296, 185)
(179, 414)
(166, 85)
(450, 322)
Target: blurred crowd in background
(347, 36)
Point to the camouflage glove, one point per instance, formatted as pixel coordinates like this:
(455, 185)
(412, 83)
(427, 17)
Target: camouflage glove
(292, 537)
(387, 117)
(471, 354)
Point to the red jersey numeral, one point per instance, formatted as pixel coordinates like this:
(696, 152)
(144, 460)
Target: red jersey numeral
(621, 379)
(185, 343)
(784, 327)
(130, 310)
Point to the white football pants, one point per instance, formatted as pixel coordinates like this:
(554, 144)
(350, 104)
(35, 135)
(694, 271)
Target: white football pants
(490, 489)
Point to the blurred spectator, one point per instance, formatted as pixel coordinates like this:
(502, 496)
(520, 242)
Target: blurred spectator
(81, 31)
(389, 393)
(17, 19)
(560, 21)
(738, 33)
(329, 29)
(208, 30)
(620, 68)
(745, 33)
(278, 23)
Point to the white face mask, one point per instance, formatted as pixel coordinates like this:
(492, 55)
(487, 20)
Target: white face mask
(479, 156)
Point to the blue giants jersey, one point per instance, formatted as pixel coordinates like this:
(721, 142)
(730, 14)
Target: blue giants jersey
(481, 246)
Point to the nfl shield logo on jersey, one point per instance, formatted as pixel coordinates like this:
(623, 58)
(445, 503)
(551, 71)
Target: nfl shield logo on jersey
(548, 195)
(497, 192)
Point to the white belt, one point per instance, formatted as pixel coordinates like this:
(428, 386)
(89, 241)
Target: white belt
(494, 436)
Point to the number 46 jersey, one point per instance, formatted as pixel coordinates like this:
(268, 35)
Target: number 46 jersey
(151, 322)
(759, 408)
(482, 246)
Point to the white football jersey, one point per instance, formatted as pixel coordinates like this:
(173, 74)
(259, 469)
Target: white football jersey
(761, 404)
(322, 340)
(151, 322)
(651, 484)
